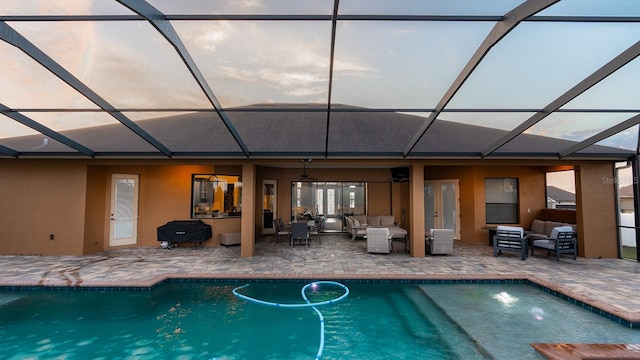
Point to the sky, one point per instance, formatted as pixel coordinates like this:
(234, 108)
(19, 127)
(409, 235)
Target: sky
(393, 64)
(565, 180)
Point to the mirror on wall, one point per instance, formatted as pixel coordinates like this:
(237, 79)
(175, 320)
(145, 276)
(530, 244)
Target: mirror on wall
(216, 196)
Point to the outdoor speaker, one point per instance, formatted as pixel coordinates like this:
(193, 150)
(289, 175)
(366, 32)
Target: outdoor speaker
(400, 174)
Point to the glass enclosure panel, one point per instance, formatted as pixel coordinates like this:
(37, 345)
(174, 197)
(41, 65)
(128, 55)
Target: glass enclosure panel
(593, 8)
(62, 121)
(235, 7)
(378, 65)
(199, 131)
(375, 132)
(261, 62)
(617, 91)
(21, 138)
(576, 126)
(429, 7)
(26, 84)
(62, 7)
(281, 131)
(98, 131)
(10, 128)
(495, 120)
(627, 139)
(127, 62)
(537, 62)
(216, 196)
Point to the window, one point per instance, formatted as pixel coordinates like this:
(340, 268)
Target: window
(501, 200)
(216, 196)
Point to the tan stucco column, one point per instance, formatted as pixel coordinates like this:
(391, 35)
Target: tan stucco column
(596, 210)
(416, 203)
(247, 224)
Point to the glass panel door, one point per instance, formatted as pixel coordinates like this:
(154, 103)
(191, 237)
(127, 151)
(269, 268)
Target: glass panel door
(124, 210)
(330, 200)
(442, 205)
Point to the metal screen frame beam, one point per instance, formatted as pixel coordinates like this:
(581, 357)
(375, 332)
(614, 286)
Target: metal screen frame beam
(499, 31)
(11, 36)
(158, 20)
(601, 136)
(26, 121)
(607, 69)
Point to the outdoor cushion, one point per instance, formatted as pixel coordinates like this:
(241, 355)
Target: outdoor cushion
(387, 220)
(545, 244)
(362, 219)
(559, 229)
(537, 226)
(373, 220)
(511, 228)
(549, 225)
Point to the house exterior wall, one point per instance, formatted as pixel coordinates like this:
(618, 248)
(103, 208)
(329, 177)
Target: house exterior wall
(39, 198)
(531, 187)
(71, 199)
(596, 211)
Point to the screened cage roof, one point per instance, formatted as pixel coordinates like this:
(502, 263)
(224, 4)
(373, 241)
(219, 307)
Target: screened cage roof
(318, 78)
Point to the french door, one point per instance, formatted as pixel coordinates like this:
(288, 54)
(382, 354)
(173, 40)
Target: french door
(442, 205)
(330, 200)
(123, 227)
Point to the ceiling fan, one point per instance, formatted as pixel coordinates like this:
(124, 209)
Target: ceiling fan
(304, 176)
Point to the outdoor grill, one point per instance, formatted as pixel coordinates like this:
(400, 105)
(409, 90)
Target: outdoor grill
(177, 231)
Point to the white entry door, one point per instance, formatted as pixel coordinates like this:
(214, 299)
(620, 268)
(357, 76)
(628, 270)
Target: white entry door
(442, 205)
(124, 210)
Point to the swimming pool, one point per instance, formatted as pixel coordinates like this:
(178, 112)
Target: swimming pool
(202, 320)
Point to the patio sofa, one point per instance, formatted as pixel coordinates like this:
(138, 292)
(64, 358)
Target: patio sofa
(357, 226)
(548, 219)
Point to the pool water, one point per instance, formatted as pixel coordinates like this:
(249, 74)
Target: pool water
(376, 321)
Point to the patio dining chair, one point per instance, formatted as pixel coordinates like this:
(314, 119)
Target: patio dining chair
(280, 230)
(300, 232)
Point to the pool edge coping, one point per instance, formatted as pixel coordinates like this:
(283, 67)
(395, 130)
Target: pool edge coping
(625, 318)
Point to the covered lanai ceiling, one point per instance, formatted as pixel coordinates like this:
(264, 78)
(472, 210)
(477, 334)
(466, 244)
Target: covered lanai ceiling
(405, 79)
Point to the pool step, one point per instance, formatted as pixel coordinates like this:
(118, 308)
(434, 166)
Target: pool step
(420, 330)
(8, 298)
(457, 338)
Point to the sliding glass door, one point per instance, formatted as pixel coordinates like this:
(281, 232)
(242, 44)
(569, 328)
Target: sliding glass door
(330, 200)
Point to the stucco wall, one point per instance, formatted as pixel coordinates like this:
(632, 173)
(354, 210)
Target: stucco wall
(39, 198)
(71, 199)
(531, 184)
(596, 211)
